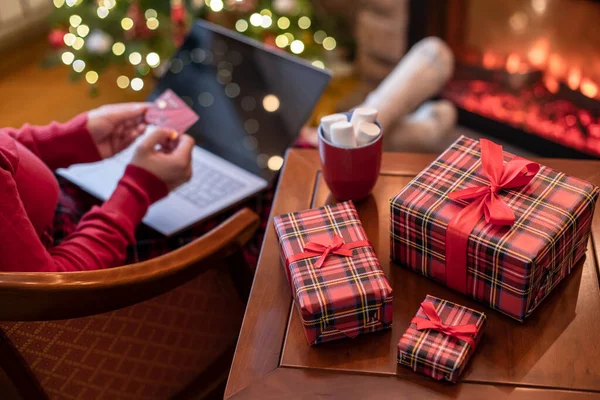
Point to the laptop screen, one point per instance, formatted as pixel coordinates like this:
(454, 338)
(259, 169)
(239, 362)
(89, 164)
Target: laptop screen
(251, 101)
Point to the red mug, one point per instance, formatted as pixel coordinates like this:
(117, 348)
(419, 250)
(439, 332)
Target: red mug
(350, 173)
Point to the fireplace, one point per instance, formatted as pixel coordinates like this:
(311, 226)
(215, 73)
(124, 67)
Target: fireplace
(527, 71)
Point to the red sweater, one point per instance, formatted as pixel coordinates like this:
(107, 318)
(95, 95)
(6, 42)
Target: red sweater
(29, 195)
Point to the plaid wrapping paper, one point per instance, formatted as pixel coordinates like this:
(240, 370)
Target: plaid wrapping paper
(437, 354)
(510, 268)
(347, 295)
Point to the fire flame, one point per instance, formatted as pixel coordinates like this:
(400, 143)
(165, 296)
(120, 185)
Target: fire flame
(513, 62)
(589, 88)
(574, 78)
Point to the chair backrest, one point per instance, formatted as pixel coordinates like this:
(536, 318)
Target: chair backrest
(143, 329)
(50, 296)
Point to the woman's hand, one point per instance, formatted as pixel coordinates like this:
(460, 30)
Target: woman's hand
(114, 127)
(168, 159)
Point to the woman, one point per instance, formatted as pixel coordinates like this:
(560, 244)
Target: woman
(30, 191)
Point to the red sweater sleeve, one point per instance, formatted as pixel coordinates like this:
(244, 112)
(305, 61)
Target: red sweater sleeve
(59, 145)
(101, 238)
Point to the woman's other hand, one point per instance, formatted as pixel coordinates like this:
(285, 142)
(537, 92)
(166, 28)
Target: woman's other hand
(168, 158)
(115, 126)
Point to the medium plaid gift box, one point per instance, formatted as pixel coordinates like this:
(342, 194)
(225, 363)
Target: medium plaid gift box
(333, 272)
(498, 228)
(440, 339)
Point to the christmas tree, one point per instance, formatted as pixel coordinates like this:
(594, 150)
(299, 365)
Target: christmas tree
(139, 36)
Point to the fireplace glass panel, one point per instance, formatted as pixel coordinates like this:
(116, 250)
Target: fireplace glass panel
(533, 65)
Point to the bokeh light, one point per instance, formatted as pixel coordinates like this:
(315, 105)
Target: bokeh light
(122, 81)
(67, 57)
(281, 41)
(135, 58)
(275, 163)
(78, 65)
(152, 23)
(271, 103)
(91, 77)
(283, 23)
(118, 48)
(329, 43)
(137, 84)
(304, 22)
(241, 25)
(75, 20)
(153, 59)
(297, 47)
(127, 23)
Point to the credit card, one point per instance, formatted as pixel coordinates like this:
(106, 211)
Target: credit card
(170, 111)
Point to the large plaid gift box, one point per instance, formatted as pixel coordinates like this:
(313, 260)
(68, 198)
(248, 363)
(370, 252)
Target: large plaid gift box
(334, 274)
(498, 228)
(440, 339)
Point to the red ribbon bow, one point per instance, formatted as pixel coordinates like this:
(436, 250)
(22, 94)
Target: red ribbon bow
(485, 201)
(325, 247)
(462, 332)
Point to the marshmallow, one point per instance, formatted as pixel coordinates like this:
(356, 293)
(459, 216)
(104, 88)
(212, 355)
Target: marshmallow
(342, 134)
(366, 132)
(329, 120)
(363, 114)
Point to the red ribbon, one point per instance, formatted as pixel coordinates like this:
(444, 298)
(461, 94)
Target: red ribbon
(325, 247)
(462, 332)
(484, 202)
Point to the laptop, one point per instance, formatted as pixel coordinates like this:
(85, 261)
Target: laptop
(251, 102)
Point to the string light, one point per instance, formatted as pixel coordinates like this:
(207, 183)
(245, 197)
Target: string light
(102, 12)
(304, 22)
(281, 41)
(241, 25)
(122, 81)
(152, 23)
(78, 45)
(329, 43)
(75, 20)
(318, 64)
(83, 30)
(110, 4)
(135, 58)
(289, 36)
(266, 21)
(71, 3)
(319, 36)
(59, 3)
(297, 47)
(91, 77)
(216, 5)
(67, 57)
(271, 103)
(150, 13)
(118, 48)
(267, 12)
(69, 39)
(283, 23)
(78, 65)
(153, 59)
(137, 84)
(275, 163)
(255, 19)
(127, 23)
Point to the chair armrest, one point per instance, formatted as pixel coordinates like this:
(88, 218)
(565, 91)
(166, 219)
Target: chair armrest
(220, 242)
(31, 296)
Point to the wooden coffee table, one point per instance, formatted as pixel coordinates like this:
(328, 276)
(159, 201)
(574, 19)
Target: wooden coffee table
(554, 354)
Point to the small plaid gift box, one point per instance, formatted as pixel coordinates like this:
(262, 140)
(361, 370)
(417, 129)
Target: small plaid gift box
(498, 228)
(333, 272)
(440, 339)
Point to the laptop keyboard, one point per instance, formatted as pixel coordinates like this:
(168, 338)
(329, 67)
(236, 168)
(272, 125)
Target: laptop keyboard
(208, 185)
